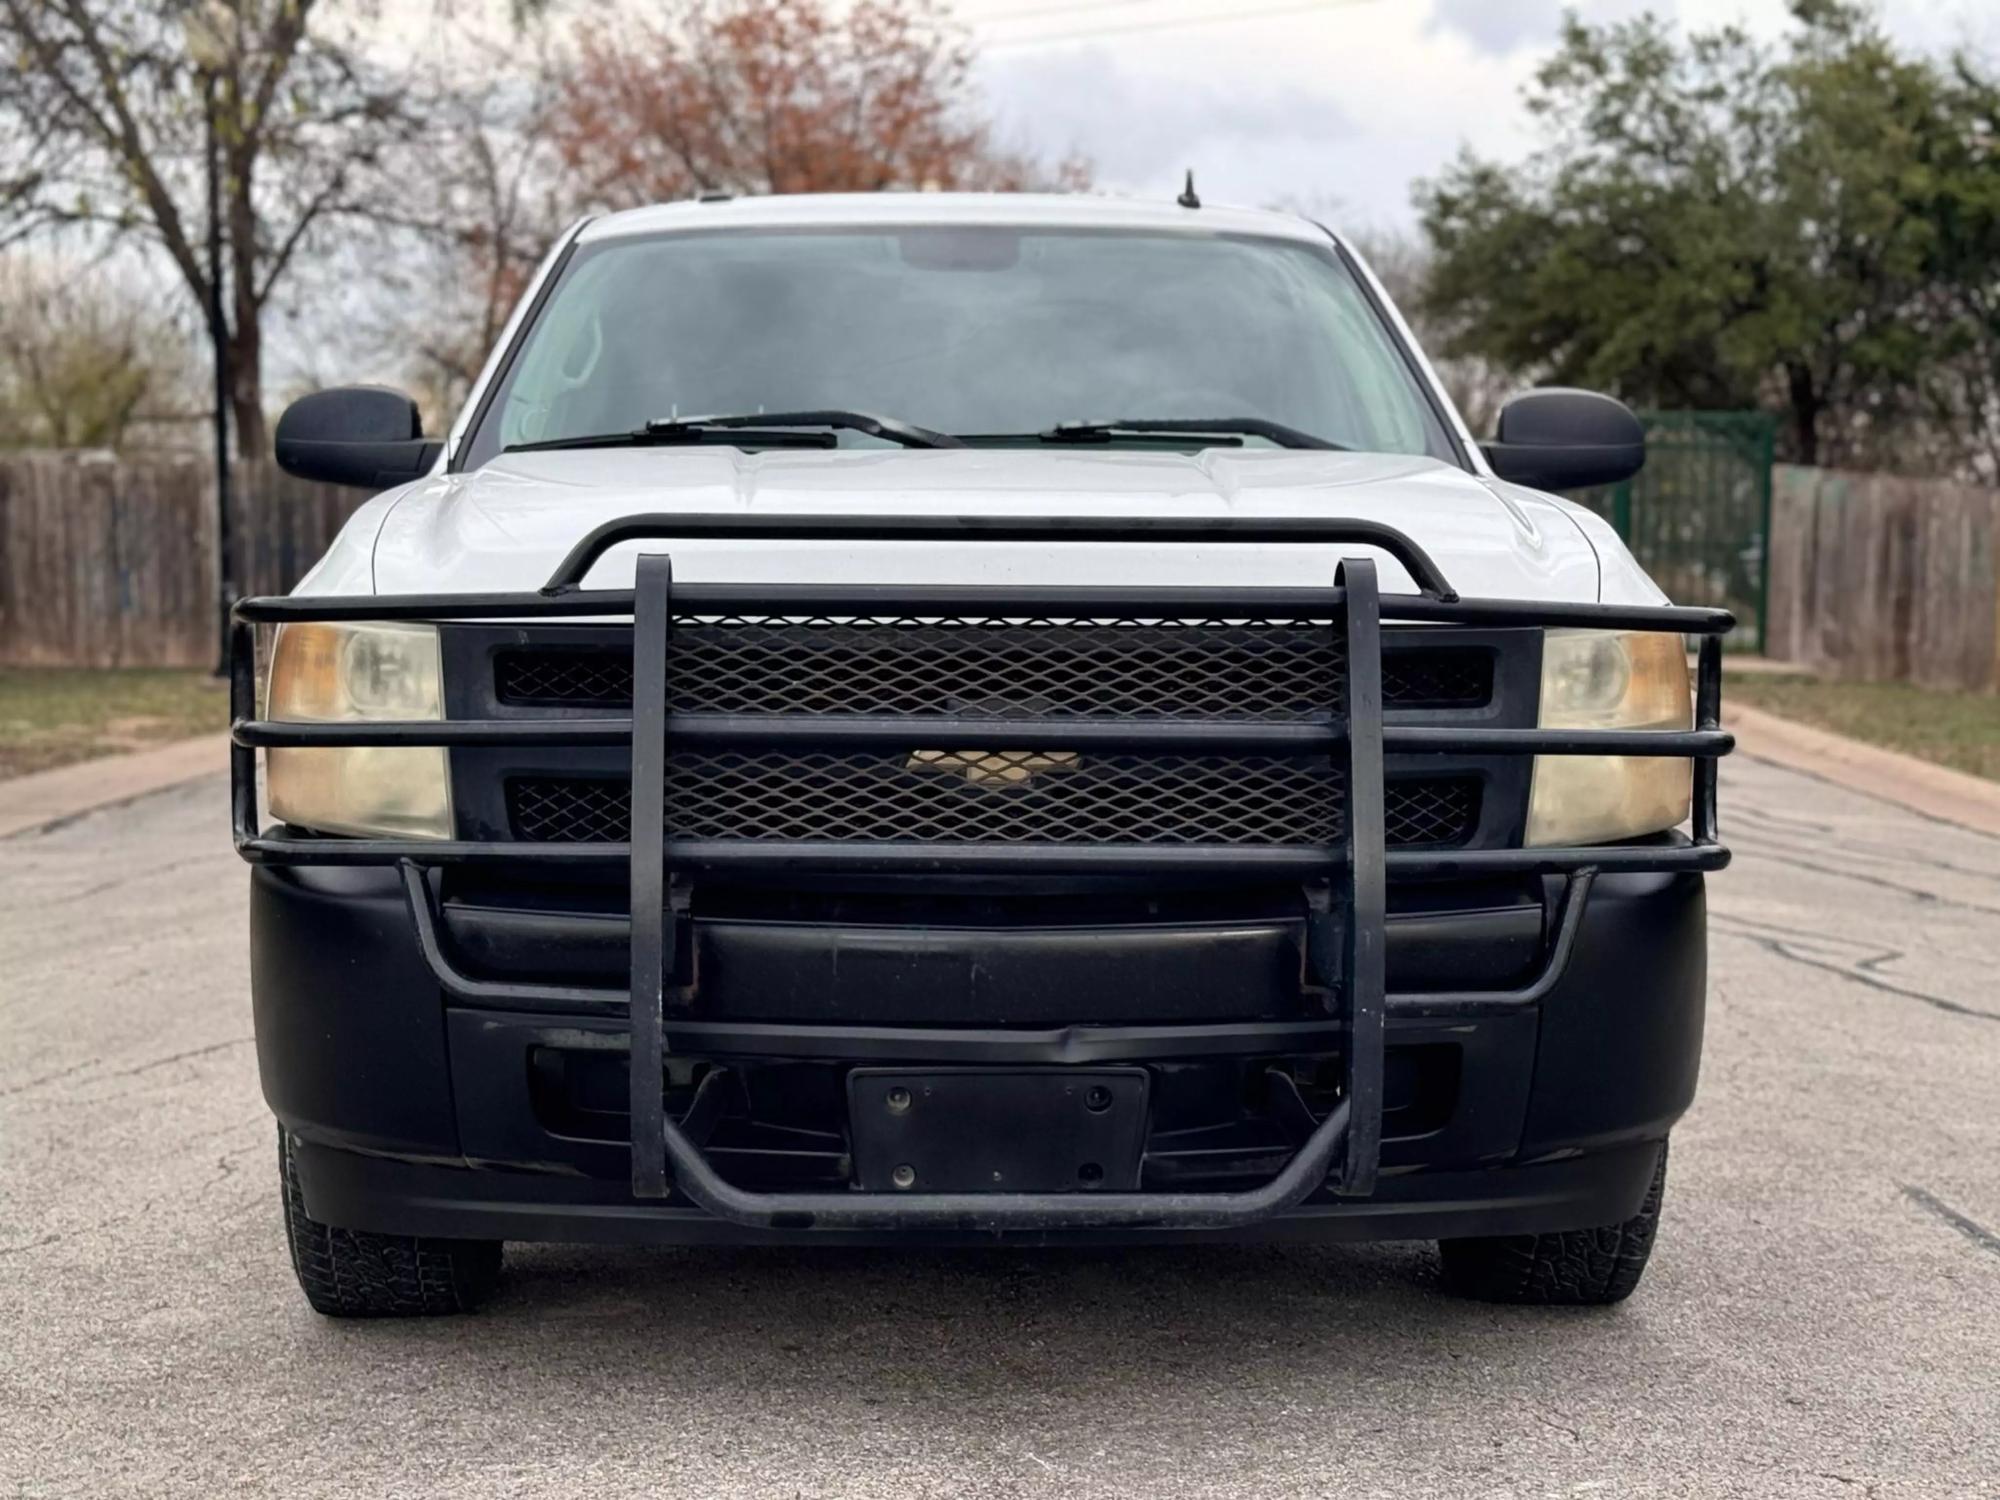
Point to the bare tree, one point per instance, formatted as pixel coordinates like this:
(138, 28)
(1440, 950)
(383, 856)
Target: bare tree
(781, 96)
(113, 101)
(752, 95)
(30, 154)
(494, 197)
(1478, 387)
(88, 359)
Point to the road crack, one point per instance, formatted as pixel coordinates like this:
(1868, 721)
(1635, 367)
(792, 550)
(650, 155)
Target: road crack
(1971, 1228)
(103, 886)
(1781, 856)
(55, 1077)
(1902, 808)
(132, 1072)
(192, 1052)
(1861, 971)
(63, 1235)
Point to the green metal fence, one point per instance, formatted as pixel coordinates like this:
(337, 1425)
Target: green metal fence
(1698, 516)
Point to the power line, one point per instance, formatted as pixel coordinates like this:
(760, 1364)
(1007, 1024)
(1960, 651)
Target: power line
(1040, 12)
(1043, 13)
(1174, 23)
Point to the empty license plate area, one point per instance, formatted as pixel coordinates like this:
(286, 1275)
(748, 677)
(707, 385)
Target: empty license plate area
(998, 1130)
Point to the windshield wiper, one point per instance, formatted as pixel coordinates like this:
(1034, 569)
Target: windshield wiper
(777, 428)
(1276, 432)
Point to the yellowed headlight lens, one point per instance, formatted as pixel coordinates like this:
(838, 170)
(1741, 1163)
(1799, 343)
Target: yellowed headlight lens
(324, 673)
(1610, 679)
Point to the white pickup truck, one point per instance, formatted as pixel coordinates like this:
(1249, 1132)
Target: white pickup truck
(1010, 719)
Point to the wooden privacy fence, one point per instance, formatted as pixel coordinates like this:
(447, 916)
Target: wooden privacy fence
(1876, 578)
(110, 562)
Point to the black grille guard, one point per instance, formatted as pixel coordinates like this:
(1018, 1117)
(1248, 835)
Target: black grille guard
(1345, 881)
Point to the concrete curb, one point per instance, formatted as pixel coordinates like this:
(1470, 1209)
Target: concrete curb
(45, 798)
(1935, 791)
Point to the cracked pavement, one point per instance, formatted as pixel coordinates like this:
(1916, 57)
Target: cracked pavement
(1822, 1316)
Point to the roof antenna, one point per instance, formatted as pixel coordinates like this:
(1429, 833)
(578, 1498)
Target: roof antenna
(1187, 198)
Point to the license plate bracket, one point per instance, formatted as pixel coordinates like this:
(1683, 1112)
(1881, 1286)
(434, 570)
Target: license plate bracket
(998, 1130)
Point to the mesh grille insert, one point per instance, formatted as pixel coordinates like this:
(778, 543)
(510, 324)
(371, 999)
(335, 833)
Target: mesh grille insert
(996, 797)
(979, 667)
(1280, 670)
(582, 676)
(1436, 677)
(999, 797)
(1433, 812)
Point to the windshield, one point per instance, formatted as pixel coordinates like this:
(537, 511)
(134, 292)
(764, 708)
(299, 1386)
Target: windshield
(981, 332)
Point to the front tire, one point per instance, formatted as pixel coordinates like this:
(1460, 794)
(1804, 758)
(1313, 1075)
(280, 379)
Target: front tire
(352, 1273)
(1575, 1267)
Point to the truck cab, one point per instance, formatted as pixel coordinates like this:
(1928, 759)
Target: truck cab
(983, 719)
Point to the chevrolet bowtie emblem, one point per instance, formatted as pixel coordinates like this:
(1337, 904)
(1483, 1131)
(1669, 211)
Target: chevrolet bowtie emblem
(995, 768)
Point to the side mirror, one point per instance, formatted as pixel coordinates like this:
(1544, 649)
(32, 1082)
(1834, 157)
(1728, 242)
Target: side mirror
(1559, 439)
(364, 435)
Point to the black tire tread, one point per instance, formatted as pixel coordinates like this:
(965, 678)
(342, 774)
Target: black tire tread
(1574, 1267)
(349, 1273)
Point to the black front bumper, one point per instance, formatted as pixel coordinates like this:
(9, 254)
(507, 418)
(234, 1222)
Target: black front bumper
(422, 1113)
(1290, 1076)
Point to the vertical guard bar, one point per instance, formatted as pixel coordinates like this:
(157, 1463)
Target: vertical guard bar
(242, 706)
(1707, 715)
(652, 927)
(1364, 978)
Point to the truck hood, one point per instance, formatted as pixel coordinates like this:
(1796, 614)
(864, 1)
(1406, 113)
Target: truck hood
(505, 526)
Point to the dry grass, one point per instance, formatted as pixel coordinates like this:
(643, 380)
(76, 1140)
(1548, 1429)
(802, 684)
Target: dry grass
(1960, 730)
(52, 716)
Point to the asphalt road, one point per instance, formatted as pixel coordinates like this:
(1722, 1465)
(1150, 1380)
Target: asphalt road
(1822, 1316)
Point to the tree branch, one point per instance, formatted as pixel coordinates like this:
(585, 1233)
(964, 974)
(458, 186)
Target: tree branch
(120, 134)
(281, 257)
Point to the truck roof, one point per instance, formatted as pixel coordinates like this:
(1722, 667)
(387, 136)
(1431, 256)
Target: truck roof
(1038, 210)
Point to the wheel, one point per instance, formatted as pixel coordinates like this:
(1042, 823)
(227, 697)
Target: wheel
(1575, 1267)
(350, 1273)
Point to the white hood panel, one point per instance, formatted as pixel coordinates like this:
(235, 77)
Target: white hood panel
(506, 526)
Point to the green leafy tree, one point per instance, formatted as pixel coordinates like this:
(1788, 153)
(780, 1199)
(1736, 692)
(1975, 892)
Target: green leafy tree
(1961, 310)
(1718, 223)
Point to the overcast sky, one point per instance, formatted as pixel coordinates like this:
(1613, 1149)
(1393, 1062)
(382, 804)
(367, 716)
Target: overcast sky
(1331, 106)
(1336, 106)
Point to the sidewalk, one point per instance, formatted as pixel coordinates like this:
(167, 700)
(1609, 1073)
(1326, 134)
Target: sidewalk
(45, 798)
(1933, 790)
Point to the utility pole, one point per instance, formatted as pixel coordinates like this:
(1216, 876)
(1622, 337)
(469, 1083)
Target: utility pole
(208, 47)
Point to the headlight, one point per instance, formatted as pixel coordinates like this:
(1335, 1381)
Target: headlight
(334, 673)
(1610, 679)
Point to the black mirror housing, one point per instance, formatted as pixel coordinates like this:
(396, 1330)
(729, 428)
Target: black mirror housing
(1561, 439)
(367, 436)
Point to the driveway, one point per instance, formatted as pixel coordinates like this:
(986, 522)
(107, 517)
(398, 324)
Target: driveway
(1822, 1316)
